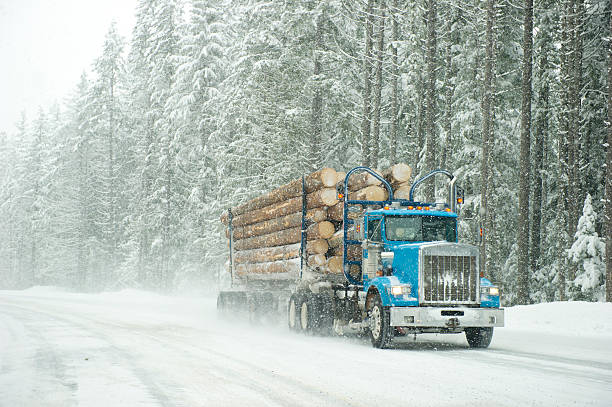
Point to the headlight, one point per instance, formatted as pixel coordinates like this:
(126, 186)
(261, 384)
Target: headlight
(490, 291)
(399, 290)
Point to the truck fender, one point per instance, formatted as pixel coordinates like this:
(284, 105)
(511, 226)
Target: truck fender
(378, 286)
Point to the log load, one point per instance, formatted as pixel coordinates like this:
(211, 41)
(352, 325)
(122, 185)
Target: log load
(276, 224)
(321, 230)
(319, 246)
(267, 230)
(322, 198)
(336, 239)
(402, 191)
(317, 260)
(267, 254)
(334, 265)
(316, 231)
(354, 252)
(359, 181)
(397, 174)
(340, 176)
(369, 193)
(281, 266)
(335, 212)
(324, 178)
(273, 254)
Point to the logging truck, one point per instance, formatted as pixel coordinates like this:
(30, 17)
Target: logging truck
(342, 253)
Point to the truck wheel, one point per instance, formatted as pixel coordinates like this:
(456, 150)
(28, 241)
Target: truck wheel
(381, 333)
(324, 315)
(292, 313)
(479, 337)
(307, 314)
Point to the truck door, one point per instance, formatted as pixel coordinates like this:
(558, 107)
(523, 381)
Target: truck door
(372, 246)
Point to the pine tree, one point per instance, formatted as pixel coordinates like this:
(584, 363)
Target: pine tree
(107, 129)
(587, 253)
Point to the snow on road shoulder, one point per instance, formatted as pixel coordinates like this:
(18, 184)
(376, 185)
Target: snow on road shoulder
(572, 318)
(126, 306)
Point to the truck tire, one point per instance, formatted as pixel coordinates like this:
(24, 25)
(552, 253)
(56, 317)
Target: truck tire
(307, 313)
(479, 337)
(381, 333)
(292, 313)
(324, 321)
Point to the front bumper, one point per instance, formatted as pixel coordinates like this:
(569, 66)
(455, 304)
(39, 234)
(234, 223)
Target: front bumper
(451, 318)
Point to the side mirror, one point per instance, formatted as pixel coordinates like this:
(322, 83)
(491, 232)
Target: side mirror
(460, 195)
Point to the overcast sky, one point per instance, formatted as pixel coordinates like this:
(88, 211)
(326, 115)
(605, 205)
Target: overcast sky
(45, 45)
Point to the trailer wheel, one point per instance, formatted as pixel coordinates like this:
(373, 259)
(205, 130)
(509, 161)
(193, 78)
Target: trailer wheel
(381, 332)
(292, 312)
(479, 337)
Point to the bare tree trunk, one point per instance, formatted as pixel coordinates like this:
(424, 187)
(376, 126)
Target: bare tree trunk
(608, 236)
(486, 132)
(374, 145)
(523, 217)
(431, 94)
(367, 85)
(317, 100)
(575, 68)
(419, 134)
(563, 148)
(541, 130)
(449, 90)
(394, 89)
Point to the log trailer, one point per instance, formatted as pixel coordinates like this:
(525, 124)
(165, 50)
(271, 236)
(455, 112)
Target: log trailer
(412, 275)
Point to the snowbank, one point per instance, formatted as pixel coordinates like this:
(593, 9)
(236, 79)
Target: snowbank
(568, 318)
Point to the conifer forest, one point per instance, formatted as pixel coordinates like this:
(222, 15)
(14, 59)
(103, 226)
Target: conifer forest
(213, 102)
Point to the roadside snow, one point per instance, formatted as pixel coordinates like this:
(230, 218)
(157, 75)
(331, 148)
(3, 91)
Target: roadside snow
(564, 318)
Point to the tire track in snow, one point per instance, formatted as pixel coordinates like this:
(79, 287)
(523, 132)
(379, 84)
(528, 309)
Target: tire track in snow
(117, 356)
(241, 374)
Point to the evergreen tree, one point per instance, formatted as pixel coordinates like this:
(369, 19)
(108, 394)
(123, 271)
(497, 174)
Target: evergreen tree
(588, 252)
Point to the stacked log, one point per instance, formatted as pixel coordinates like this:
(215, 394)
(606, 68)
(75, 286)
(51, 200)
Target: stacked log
(267, 230)
(398, 176)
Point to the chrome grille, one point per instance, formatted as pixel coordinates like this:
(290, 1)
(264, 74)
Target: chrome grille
(449, 274)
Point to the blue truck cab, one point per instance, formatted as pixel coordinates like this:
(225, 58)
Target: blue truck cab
(415, 277)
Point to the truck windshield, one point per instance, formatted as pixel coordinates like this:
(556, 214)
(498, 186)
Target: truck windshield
(420, 228)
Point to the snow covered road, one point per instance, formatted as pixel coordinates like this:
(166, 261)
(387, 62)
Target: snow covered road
(139, 349)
